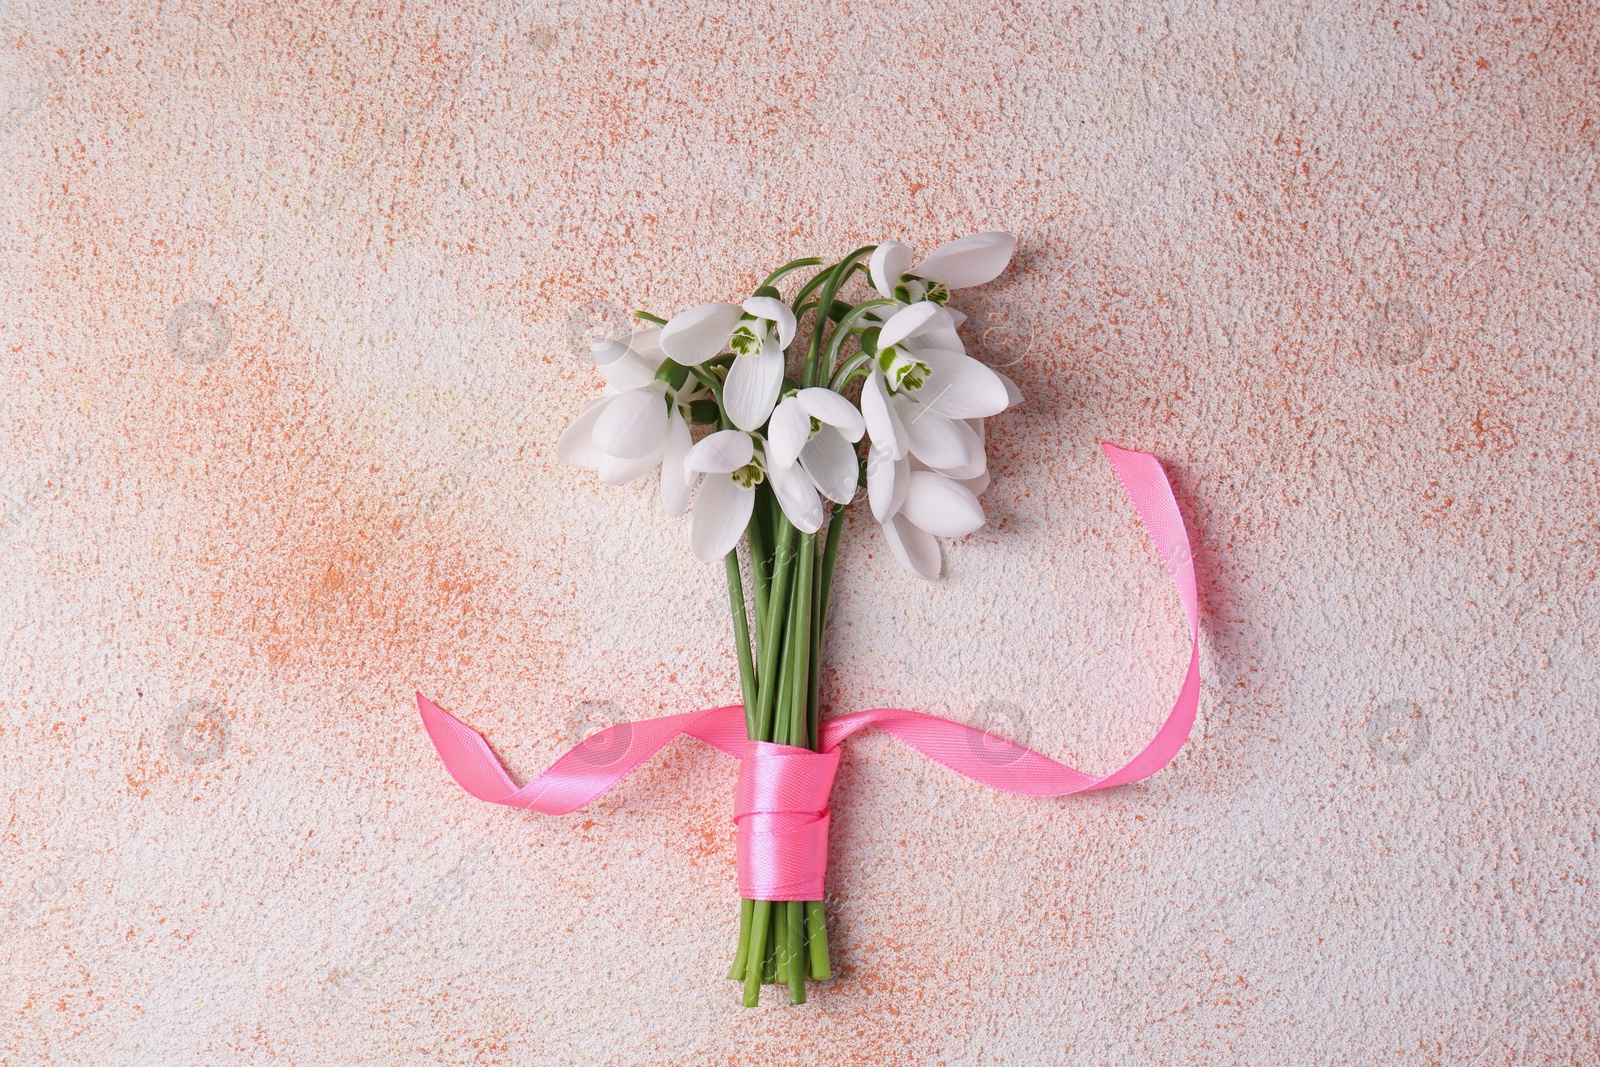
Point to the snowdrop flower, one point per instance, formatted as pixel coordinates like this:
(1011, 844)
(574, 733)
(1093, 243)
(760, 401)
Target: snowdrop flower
(918, 399)
(756, 331)
(811, 449)
(924, 474)
(638, 426)
(924, 402)
(729, 470)
(954, 265)
(914, 504)
(629, 362)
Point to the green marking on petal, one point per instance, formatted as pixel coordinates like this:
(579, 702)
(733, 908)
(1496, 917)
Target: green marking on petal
(901, 371)
(744, 341)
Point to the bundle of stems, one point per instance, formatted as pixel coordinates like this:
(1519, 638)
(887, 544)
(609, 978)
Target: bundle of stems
(782, 941)
(780, 673)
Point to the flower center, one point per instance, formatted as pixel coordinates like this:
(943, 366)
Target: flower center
(748, 476)
(913, 289)
(745, 341)
(901, 370)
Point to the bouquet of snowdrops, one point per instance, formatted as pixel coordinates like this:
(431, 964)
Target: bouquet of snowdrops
(878, 388)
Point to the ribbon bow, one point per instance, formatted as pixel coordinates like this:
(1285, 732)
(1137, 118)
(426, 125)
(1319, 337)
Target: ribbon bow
(781, 802)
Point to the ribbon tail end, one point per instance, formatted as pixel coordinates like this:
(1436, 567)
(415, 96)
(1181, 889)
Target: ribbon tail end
(465, 754)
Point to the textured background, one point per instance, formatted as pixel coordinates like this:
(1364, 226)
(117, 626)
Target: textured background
(288, 301)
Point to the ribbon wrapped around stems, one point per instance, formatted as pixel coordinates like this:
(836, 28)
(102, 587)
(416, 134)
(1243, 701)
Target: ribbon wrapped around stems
(781, 802)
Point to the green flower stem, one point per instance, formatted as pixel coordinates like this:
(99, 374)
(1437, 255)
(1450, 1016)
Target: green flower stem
(760, 918)
(817, 940)
(835, 279)
(647, 317)
(741, 639)
(858, 268)
(798, 670)
(796, 651)
(777, 602)
(780, 935)
(761, 563)
(747, 687)
(795, 916)
(780, 676)
(816, 917)
(860, 363)
(746, 912)
(830, 555)
(841, 332)
(769, 962)
(792, 265)
(814, 675)
(816, 282)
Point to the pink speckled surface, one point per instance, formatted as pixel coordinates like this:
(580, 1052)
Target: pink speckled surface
(286, 306)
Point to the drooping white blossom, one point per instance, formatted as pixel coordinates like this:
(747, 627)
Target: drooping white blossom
(957, 264)
(757, 332)
(811, 450)
(726, 466)
(915, 504)
(637, 426)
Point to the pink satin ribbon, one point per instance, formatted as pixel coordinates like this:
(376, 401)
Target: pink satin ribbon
(781, 801)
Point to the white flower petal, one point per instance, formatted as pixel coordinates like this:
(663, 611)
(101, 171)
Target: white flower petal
(907, 321)
(960, 386)
(722, 510)
(646, 344)
(614, 470)
(977, 486)
(620, 367)
(674, 490)
(787, 433)
(916, 549)
(932, 437)
(940, 506)
(968, 261)
(634, 424)
(946, 340)
(882, 421)
(977, 462)
(938, 332)
(889, 261)
(752, 388)
(694, 336)
(575, 447)
(630, 362)
(831, 461)
(773, 310)
(720, 453)
(827, 406)
(887, 481)
(797, 496)
(1013, 394)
